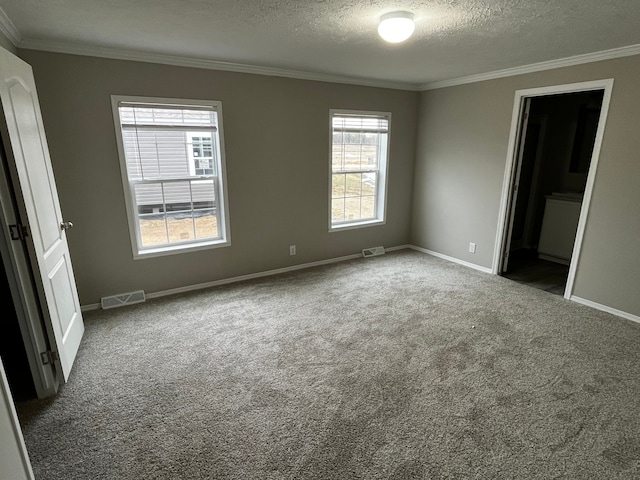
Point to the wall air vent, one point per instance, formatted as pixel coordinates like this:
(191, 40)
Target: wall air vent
(373, 252)
(122, 299)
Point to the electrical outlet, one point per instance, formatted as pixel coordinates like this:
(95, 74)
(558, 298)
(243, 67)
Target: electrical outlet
(292, 249)
(472, 247)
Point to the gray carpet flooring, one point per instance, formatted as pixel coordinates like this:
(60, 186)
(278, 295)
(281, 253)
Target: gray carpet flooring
(402, 366)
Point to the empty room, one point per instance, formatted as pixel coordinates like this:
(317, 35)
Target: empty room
(320, 240)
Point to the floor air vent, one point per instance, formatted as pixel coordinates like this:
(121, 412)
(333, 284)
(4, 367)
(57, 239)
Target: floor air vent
(122, 299)
(372, 252)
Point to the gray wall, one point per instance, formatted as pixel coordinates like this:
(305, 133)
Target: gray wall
(463, 133)
(277, 153)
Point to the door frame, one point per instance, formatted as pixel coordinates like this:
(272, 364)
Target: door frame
(18, 464)
(606, 85)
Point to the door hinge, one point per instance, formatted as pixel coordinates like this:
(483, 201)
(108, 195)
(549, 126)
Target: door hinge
(18, 232)
(49, 357)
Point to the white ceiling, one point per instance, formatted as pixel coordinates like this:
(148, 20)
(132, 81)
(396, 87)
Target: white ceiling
(453, 38)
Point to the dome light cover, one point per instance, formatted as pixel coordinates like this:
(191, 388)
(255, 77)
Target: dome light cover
(396, 27)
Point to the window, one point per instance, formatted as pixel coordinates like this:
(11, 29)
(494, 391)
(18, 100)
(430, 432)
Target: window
(173, 170)
(201, 154)
(359, 154)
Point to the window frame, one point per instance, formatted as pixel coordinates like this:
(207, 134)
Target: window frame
(222, 206)
(382, 173)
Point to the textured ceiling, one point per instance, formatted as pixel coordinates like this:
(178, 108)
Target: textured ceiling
(453, 38)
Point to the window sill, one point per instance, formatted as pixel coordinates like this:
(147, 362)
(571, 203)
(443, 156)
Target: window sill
(354, 225)
(177, 249)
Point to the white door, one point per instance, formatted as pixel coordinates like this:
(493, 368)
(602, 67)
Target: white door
(516, 182)
(26, 148)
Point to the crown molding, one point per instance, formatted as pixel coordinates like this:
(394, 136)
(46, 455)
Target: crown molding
(537, 67)
(8, 28)
(180, 61)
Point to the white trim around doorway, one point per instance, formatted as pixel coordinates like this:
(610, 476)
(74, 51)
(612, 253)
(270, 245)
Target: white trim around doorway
(516, 122)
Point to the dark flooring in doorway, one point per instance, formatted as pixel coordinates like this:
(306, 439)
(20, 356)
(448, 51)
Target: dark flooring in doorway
(525, 267)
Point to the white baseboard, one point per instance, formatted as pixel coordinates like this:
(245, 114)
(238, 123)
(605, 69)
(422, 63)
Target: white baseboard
(604, 308)
(451, 259)
(250, 276)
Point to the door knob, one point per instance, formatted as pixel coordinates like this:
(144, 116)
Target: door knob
(66, 225)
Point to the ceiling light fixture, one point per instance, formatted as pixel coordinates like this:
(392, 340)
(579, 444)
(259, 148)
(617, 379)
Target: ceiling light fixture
(396, 27)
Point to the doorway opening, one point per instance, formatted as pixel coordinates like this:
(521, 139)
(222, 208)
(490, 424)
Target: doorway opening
(12, 349)
(554, 148)
(14, 339)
